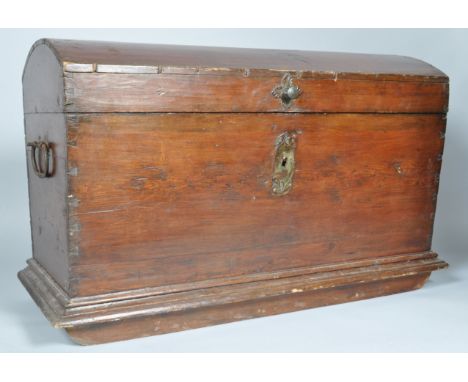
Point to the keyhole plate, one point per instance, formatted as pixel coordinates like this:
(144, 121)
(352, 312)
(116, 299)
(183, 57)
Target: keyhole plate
(285, 163)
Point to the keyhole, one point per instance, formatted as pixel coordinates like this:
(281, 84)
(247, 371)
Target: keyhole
(284, 161)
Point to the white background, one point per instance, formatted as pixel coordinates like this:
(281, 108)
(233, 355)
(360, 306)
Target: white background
(434, 318)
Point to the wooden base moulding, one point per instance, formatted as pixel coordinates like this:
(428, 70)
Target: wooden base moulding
(150, 311)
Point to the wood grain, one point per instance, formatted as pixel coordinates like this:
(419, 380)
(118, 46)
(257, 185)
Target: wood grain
(163, 199)
(174, 322)
(118, 319)
(74, 76)
(233, 280)
(160, 214)
(128, 318)
(324, 63)
(48, 197)
(104, 92)
(43, 85)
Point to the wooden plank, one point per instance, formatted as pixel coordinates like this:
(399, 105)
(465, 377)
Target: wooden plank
(105, 92)
(48, 196)
(163, 199)
(232, 280)
(135, 316)
(43, 88)
(56, 80)
(79, 68)
(142, 69)
(127, 54)
(160, 324)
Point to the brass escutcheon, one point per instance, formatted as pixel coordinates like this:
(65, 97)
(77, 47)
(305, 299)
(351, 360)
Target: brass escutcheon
(285, 163)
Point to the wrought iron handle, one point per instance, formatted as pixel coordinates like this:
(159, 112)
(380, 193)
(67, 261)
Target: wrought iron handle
(42, 159)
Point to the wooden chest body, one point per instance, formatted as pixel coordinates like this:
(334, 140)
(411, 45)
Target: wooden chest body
(192, 186)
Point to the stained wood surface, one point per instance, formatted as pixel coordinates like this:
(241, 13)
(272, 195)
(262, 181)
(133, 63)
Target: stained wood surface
(104, 92)
(177, 321)
(133, 316)
(163, 199)
(48, 196)
(160, 216)
(74, 76)
(43, 87)
(76, 302)
(115, 54)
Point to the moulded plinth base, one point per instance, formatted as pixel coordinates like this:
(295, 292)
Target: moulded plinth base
(107, 318)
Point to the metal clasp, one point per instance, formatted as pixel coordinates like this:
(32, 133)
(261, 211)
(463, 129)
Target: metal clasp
(42, 159)
(285, 163)
(287, 91)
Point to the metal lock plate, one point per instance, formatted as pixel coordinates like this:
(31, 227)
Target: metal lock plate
(284, 163)
(287, 91)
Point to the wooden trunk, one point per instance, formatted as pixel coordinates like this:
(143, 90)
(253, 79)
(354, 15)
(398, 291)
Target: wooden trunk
(178, 187)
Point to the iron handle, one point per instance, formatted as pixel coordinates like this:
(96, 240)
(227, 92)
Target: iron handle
(42, 158)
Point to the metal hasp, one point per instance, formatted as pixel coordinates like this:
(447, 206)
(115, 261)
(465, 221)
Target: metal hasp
(42, 159)
(287, 91)
(285, 163)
